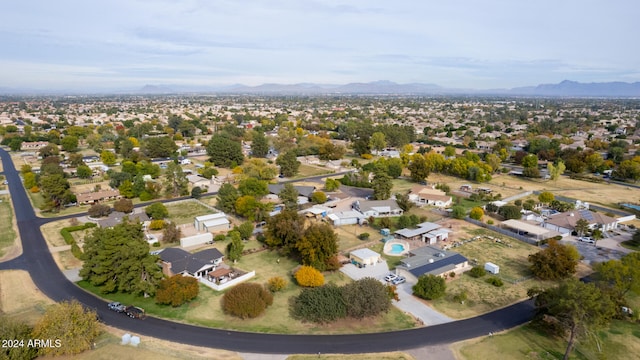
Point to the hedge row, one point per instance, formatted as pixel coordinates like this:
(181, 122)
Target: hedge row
(68, 238)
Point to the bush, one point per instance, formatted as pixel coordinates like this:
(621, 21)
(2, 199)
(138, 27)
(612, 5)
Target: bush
(430, 287)
(123, 205)
(452, 274)
(460, 297)
(476, 213)
(157, 211)
(34, 189)
(477, 272)
(490, 222)
(320, 305)
(318, 197)
(177, 290)
(366, 156)
(219, 237)
(309, 277)
(76, 251)
(276, 283)
(495, 281)
(364, 236)
(99, 210)
(246, 300)
(366, 297)
(458, 212)
(156, 224)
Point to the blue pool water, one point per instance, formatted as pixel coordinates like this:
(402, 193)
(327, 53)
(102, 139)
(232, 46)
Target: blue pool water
(396, 249)
(631, 206)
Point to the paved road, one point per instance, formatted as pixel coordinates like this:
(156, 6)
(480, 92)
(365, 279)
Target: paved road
(46, 275)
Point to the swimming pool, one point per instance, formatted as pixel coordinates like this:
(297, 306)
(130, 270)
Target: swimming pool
(396, 249)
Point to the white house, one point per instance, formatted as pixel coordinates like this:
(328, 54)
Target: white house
(566, 222)
(364, 257)
(426, 195)
(428, 232)
(377, 208)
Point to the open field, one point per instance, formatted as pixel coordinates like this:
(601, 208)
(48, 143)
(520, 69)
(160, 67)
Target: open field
(311, 170)
(15, 287)
(184, 212)
(348, 236)
(7, 233)
(620, 341)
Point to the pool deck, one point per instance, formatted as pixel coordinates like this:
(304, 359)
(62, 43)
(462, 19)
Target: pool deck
(388, 247)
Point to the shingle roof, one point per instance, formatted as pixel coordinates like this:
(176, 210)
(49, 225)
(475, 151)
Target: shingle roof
(438, 267)
(182, 260)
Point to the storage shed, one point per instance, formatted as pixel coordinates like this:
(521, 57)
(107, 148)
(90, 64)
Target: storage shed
(364, 257)
(492, 268)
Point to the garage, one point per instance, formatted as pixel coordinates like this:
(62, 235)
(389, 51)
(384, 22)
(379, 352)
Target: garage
(364, 257)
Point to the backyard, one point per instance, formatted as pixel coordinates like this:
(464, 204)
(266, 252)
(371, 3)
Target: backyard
(184, 212)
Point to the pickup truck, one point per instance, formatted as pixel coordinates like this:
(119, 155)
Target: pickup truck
(117, 307)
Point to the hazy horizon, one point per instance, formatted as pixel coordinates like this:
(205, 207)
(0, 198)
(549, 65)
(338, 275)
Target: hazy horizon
(76, 45)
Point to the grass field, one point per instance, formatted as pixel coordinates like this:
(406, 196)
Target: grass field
(620, 341)
(15, 287)
(7, 234)
(184, 212)
(310, 170)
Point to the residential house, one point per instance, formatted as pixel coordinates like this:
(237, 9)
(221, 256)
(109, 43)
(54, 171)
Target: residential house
(428, 195)
(198, 265)
(33, 145)
(377, 208)
(94, 197)
(197, 180)
(428, 260)
(116, 217)
(566, 222)
(347, 218)
(428, 232)
(304, 192)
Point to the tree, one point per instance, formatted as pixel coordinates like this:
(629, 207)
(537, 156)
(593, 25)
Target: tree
(68, 324)
(13, 332)
(430, 287)
(318, 244)
(476, 213)
(235, 247)
(157, 211)
(55, 190)
(176, 183)
(318, 197)
(419, 168)
(366, 297)
(618, 277)
(546, 197)
(107, 157)
(99, 210)
(259, 169)
(530, 161)
(177, 290)
(253, 187)
(555, 262)
(15, 144)
(259, 145)
(118, 259)
(330, 151)
(458, 212)
(557, 170)
(224, 151)
(159, 147)
(510, 212)
(227, 197)
(246, 300)
(247, 206)
(288, 163)
(403, 201)
(196, 192)
(581, 227)
(123, 205)
(378, 141)
(576, 307)
(69, 143)
(84, 172)
(49, 150)
(308, 276)
(331, 184)
(284, 230)
(245, 230)
(171, 233)
(289, 196)
(320, 304)
(382, 186)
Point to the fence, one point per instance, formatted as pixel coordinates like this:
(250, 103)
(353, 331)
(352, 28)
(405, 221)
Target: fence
(228, 284)
(503, 231)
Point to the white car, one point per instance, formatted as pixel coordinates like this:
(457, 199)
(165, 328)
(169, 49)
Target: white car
(390, 277)
(587, 240)
(399, 280)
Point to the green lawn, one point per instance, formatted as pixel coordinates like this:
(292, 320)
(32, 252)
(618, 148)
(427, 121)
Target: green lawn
(631, 244)
(620, 341)
(7, 234)
(184, 212)
(309, 170)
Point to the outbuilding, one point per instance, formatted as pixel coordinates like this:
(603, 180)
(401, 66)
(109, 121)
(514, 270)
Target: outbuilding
(492, 268)
(364, 257)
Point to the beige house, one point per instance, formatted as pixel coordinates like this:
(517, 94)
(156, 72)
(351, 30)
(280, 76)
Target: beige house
(428, 195)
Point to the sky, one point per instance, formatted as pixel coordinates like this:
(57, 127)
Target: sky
(488, 44)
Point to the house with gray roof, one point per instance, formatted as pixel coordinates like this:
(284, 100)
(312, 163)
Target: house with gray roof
(428, 260)
(199, 264)
(428, 232)
(377, 208)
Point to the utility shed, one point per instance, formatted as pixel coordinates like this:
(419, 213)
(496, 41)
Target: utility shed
(492, 268)
(364, 256)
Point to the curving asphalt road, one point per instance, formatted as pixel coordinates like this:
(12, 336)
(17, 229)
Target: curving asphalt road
(46, 275)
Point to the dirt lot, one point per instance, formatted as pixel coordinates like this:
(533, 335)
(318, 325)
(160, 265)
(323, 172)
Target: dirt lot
(15, 287)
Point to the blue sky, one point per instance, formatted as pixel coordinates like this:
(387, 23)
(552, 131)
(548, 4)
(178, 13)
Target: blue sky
(93, 45)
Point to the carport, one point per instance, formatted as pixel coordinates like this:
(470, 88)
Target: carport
(526, 229)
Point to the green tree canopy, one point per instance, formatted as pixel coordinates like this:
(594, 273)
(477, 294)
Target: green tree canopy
(555, 262)
(259, 145)
(157, 147)
(288, 163)
(118, 259)
(225, 151)
(227, 197)
(430, 287)
(318, 244)
(157, 211)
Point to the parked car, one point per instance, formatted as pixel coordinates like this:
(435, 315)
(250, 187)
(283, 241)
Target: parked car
(390, 277)
(116, 306)
(587, 240)
(399, 280)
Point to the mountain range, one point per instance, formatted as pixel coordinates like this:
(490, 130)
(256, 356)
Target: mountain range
(565, 88)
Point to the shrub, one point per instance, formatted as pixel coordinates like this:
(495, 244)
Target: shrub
(477, 272)
(34, 189)
(245, 229)
(177, 290)
(318, 197)
(156, 224)
(366, 156)
(476, 213)
(364, 236)
(309, 277)
(332, 263)
(99, 210)
(452, 274)
(460, 297)
(276, 283)
(246, 300)
(430, 287)
(365, 297)
(495, 281)
(320, 305)
(123, 205)
(219, 237)
(171, 233)
(458, 212)
(490, 222)
(76, 251)
(157, 211)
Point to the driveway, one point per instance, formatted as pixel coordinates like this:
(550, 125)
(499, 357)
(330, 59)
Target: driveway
(408, 303)
(607, 249)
